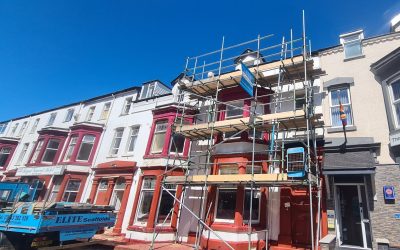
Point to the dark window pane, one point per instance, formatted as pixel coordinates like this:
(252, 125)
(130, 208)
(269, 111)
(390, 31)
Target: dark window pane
(85, 151)
(226, 204)
(145, 204)
(167, 202)
(177, 143)
(256, 205)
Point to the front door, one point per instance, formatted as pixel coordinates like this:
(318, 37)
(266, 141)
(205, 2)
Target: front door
(352, 212)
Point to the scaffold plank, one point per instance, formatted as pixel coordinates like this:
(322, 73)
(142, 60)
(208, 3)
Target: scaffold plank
(290, 119)
(226, 179)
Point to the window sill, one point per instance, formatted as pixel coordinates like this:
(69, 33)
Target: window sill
(353, 58)
(127, 155)
(340, 129)
(111, 156)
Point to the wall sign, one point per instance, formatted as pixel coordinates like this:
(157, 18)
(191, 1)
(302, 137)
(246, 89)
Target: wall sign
(35, 171)
(388, 192)
(331, 219)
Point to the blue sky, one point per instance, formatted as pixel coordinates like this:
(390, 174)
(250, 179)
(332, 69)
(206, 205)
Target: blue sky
(57, 52)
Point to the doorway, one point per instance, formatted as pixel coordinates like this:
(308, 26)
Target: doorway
(352, 215)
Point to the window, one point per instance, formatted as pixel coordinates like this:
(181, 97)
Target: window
(4, 194)
(51, 119)
(148, 90)
(257, 169)
(34, 126)
(90, 113)
(234, 110)
(177, 144)
(146, 196)
(166, 204)
(51, 150)
(159, 137)
(36, 188)
(103, 185)
(86, 147)
(68, 116)
(395, 93)
(119, 132)
(352, 44)
(55, 189)
(71, 147)
(4, 154)
(22, 154)
(132, 139)
(3, 127)
(38, 148)
(22, 129)
(180, 96)
(106, 111)
(71, 191)
(338, 96)
(226, 204)
(255, 214)
(14, 128)
(118, 193)
(300, 100)
(127, 106)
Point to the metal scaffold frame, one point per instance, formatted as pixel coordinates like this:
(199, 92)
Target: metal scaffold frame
(291, 64)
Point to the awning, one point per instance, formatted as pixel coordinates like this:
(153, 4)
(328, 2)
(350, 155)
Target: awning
(353, 162)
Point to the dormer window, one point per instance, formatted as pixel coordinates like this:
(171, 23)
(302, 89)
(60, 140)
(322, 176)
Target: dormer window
(3, 127)
(352, 44)
(148, 90)
(90, 113)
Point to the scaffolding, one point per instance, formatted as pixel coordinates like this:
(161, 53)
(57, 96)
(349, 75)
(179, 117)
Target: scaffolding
(282, 111)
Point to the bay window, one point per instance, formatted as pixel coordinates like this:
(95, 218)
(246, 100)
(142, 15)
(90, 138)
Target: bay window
(4, 155)
(86, 147)
(159, 137)
(146, 196)
(255, 213)
(38, 148)
(234, 110)
(395, 96)
(70, 148)
(342, 96)
(226, 204)
(51, 150)
(71, 191)
(166, 203)
(55, 189)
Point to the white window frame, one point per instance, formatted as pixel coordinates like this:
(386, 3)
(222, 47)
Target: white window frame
(22, 129)
(3, 127)
(5, 153)
(36, 151)
(127, 106)
(172, 190)
(394, 102)
(117, 189)
(22, 154)
(157, 131)
(352, 38)
(80, 148)
(14, 129)
(145, 189)
(232, 188)
(349, 104)
(71, 191)
(69, 115)
(90, 113)
(116, 142)
(106, 111)
(133, 133)
(55, 189)
(52, 118)
(51, 149)
(234, 103)
(35, 125)
(71, 147)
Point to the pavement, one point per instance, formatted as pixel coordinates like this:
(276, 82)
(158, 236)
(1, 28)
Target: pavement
(118, 242)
